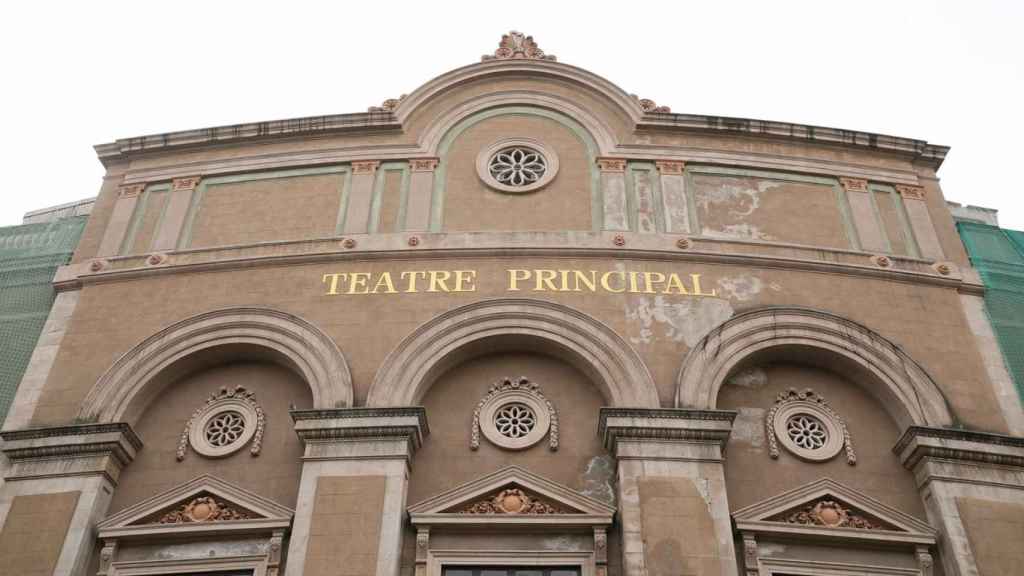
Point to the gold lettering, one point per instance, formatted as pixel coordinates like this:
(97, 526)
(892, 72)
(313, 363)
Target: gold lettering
(696, 287)
(632, 283)
(359, 280)
(438, 279)
(591, 282)
(565, 280)
(544, 278)
(675, 282)
(606, 286)
(514, 276)
(650, 279)
(464, 281)
(333, 290)
(385, 281)
(412, 276)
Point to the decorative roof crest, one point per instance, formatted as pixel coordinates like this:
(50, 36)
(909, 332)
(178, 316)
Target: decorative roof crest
(517, 46)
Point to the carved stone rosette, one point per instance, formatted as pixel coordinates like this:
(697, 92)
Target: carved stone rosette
(512, 501)
(795, 404)
(508, 391)
(238, 398)
(203, 509)
(517, 46)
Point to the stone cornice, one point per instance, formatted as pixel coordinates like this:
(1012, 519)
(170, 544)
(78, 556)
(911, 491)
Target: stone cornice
(70, 450)
(664, 424)
(408, 423)
(659, 247)
(951, 444)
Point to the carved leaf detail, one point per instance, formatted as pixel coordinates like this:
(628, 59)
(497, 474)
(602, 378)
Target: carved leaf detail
(513, 501)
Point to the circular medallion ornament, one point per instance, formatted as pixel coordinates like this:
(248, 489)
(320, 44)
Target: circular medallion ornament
(517, 165)
(515, 415)
(807, 427)
(227, 422)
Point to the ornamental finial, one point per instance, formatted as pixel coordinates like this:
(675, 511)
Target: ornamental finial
(516, 45)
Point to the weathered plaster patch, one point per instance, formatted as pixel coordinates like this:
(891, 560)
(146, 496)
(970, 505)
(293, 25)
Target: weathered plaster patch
(748, 427)
(562, 543)
(684, 321)
(599, 479)
(750, 378)
(740, 287)
(770, 549)
(742, 201)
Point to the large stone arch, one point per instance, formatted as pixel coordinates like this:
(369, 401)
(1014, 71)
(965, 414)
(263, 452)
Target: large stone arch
(594, 348)
(128, 386)
(902, 386)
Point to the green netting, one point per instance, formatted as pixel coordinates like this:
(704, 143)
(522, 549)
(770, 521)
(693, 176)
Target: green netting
(998, 255)
(29, 257)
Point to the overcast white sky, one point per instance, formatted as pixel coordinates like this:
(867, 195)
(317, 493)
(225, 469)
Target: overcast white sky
(77, 74)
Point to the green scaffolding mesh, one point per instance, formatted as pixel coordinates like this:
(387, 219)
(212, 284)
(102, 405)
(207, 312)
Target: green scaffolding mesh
(998, 255)
(29, 257)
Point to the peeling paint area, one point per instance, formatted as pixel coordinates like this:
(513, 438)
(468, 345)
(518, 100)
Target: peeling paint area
(657, 317)
(725, 206)
(752, 378)
(740, 287)
(599, 479)
(748, 427)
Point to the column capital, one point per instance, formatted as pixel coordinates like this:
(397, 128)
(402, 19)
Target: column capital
(187, 183)
(951, 444)
(423, 164)
(393, 432)
(365, 166)
(854, 184)
(130, 190)
(625, 431)
(910, 192)
(606, 164)
(670, 166)
(78, 450)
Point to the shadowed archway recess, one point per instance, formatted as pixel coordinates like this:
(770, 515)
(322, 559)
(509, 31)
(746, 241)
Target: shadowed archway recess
(903, 387)
(523, 324)
(124, 391)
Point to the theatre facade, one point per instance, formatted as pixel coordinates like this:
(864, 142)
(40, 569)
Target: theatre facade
(518, 322)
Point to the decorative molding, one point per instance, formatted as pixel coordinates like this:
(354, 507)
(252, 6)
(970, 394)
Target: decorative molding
(515, 390)
(712, 427)
(203, 509)
(750, 555)
(605, 164)
(130, 190)
(187, 183)
(964, 446)
(854, 184)
(900, 383)
(407, 424)
(790, 404)
(226, 400)
(513, 501)
(424, 164)
(670, 167)
(311, 352)
(388, 105)
(87, 449)
(910, 192)
(365, 166)
(517, 46)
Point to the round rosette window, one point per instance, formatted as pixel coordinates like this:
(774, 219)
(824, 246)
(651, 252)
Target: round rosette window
(515, 415)
(808, 431)
(517, 165)
(223, 427)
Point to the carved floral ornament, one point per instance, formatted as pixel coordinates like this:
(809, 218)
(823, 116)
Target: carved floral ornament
(512, 501)
(515, 415)
(223, 425)
(805, 424)
(516, 45)
(203, 509)
(831, 514)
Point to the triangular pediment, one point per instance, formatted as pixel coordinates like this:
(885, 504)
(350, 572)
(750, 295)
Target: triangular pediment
(828, 505)
(206, 500)
(511, 492)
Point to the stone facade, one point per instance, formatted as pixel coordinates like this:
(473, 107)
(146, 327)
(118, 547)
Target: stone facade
(516, 319)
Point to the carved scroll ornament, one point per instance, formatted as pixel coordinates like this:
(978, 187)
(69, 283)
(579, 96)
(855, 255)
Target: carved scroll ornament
(512, 501)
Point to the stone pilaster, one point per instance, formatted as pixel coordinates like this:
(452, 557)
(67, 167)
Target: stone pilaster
(179, 199)
(360, 197)
(671, 482)
(370, 448)
(613, 193)
(862, 210)
(421, 191)
(921, 222)
(953, 467)
(120, 219)
(673, 196)
(85, 459)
